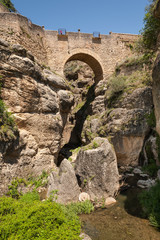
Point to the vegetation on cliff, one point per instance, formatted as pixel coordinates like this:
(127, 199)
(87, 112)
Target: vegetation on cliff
(8, 4)
(151, 29)
(150, 201)
(8, 128)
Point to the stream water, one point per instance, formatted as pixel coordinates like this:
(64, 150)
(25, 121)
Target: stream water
(120, 222)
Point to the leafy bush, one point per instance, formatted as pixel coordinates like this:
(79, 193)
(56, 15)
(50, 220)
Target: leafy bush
(80, 207)
(150, 201)
(151, 168)
(33, 219)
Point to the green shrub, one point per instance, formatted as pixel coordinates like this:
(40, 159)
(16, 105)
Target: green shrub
(23, 220)
(39, 181)
(30, 197)
(80, 207)
(8, 126)
(150, 201)
(151, 168)
(117, 84)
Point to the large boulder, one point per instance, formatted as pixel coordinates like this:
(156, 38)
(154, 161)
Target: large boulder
(96, 169)
(65, 182)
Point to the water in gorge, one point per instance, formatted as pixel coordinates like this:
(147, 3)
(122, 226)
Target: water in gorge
(122, 221)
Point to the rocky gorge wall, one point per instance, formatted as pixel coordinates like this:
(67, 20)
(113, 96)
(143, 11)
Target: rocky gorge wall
(40, 102)
(43, 106)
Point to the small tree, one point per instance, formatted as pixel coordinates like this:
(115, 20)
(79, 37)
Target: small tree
(8, 4)
(151, 28)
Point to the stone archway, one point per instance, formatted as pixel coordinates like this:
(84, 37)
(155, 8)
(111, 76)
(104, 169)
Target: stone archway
(90, 59)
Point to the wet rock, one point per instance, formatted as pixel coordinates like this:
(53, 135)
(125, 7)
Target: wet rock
(146, 183)
(96, 169)
(137, 171)
(144, 175)
(65, 181)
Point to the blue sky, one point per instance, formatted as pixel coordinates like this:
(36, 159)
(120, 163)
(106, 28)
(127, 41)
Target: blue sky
(122, 16)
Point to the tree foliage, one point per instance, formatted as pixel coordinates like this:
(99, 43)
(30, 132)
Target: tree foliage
(151, 28)
(9, 5)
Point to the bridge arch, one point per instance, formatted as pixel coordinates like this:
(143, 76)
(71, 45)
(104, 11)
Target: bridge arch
(90, 58)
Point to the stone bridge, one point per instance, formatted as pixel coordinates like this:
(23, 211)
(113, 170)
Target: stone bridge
(102, 54)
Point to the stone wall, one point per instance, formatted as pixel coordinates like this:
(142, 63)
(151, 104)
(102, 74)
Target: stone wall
(16, 28)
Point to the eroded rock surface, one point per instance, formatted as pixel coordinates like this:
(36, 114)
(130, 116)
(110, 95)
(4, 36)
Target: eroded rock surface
(125, 124)
(65, 182)
(40, 101)
(97, 170)
(156, 91)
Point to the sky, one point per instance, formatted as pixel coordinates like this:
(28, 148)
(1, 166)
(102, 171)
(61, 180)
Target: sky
(104, 16)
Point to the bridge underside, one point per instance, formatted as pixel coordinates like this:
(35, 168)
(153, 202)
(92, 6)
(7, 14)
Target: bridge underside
(92, 62)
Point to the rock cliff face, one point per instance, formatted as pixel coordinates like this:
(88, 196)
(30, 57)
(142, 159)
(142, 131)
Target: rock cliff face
(40, 101)
(119, 112)
(156, 78)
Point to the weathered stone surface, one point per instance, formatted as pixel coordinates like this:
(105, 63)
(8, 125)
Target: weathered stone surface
(141, 98)
(84, 236)
(97, 170)
(66, 100)
(4, 43)
(84, 196)
(37, 108)
(126, 124)
(156, 91)
(65, 181)
(55, 80)
(19, 50)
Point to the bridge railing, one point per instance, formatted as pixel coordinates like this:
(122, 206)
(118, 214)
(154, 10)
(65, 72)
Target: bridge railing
(62, 31)
(96, 34)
